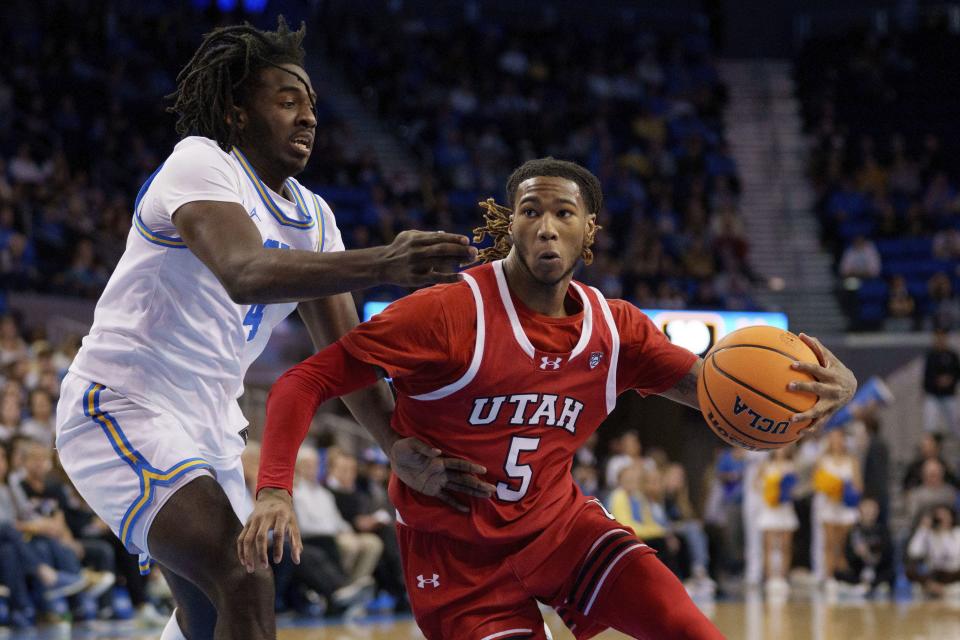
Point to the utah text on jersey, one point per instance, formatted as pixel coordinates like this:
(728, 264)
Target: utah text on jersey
(532, 409)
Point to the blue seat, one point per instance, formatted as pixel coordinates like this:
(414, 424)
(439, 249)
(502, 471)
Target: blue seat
(872, 290)
(872, 312)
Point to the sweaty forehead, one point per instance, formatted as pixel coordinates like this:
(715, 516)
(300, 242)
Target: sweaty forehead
(550, 187)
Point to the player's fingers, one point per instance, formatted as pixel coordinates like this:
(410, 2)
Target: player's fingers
(822, 389)
(469, 484)
(248, 538)
(262, 542)
(464, 466)
(436, 277)
(813, 413)
(296, 541)
(423, 448)
(470, 489)
(447, 252)
(823, 354)
(817, 371)
(440, 237)
(279, 533)
(241, 546)
(450, 500)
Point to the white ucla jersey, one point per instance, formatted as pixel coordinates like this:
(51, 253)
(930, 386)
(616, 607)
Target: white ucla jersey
(165, 332)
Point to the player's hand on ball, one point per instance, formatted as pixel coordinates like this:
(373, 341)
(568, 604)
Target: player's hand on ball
(417, 258)
(423, 469)
(835, 384)
(273, 511)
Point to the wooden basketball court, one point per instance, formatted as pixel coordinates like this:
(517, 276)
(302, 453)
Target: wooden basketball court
(750, 620)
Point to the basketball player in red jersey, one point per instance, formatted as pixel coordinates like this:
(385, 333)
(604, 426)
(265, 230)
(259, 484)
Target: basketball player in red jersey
(514, 368)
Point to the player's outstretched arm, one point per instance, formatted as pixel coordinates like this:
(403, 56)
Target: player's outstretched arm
(224, 238)
(685, 390)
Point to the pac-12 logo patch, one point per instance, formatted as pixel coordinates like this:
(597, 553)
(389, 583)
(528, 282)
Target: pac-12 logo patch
(595, 358)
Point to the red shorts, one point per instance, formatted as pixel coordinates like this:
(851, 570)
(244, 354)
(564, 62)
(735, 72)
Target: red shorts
(466, 591)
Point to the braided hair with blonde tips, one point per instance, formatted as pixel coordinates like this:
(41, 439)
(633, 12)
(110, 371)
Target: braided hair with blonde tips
(496, 217)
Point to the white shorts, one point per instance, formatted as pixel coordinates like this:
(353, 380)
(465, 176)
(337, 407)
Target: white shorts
(126, 460)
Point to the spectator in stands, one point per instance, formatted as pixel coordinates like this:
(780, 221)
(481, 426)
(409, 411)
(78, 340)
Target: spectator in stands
(10, 417)
(933, 491)
(21, 566)
(12, 345)
(18, 264)
(876, 467)
(320, 523)
(324, 526)
(638, 503)
(901, 307)
(775, 481)
(730, 471)
(869, 552)
(44, 499)
(368, 520)
(389, 573)
(929, 449)
(933, 554)
(946, 244)
(944, 306)
(683, 519)
(837, 481)
(625, 450)
(940, 199)
(40, 425)
(860, 260)
(941, 373)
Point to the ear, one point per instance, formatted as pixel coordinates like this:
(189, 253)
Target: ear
(591, 230)
(237, 116)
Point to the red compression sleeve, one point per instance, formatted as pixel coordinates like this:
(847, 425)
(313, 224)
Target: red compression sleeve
(293, 401)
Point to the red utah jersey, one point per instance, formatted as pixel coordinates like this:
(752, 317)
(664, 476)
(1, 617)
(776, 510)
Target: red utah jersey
(519, 410)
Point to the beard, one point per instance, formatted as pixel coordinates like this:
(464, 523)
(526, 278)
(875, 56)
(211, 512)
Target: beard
(522, 254)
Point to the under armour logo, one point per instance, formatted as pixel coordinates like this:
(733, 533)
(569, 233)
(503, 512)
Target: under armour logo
(423, 582)
(548, 362)
(253, 214)
(595, 358)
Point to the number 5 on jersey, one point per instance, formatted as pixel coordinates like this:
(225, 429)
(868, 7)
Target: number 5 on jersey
(514, 469)
(255, 313)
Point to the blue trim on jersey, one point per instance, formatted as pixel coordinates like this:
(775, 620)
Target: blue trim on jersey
(323, 220)
(171, 242)
(307, 221)
(149, 475)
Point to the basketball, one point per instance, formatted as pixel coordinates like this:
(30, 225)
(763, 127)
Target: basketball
(742, 387)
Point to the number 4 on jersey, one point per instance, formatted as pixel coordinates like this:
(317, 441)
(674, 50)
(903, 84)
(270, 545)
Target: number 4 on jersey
(255, 313)
(515, 470)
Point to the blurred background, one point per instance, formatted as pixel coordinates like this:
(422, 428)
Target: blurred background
(786, 163)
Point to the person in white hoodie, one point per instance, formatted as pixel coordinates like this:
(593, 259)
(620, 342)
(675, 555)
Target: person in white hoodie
(933, 554)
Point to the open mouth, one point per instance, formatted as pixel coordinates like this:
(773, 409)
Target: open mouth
(302, 143)
(549, 257)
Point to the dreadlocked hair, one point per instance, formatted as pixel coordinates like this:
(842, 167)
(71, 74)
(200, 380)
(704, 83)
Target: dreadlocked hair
(217, 77)
(496, 217)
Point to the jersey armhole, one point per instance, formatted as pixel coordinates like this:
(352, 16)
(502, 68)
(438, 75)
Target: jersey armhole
(614, 347)
(478, 347)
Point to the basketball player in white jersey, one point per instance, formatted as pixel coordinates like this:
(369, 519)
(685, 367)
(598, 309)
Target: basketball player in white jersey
(225, 243)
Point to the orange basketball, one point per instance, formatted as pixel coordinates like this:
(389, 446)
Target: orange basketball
(742, 387)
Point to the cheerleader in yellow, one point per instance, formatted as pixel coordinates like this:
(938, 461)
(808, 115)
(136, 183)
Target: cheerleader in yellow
(838, 486)
(777, 519)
